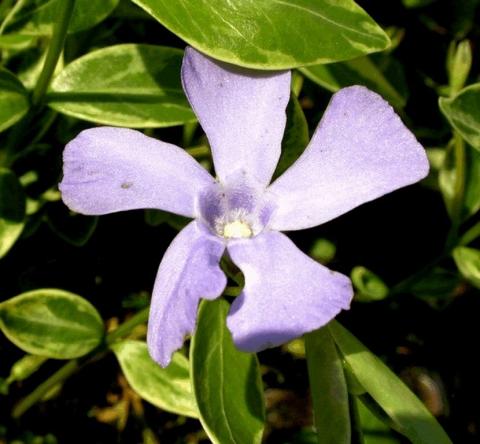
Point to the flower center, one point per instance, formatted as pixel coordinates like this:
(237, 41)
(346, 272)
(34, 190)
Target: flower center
(236, 229)
(236, 211)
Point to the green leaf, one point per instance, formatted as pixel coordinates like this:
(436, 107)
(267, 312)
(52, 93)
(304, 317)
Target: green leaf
(360, 71)
(52, 323)
(12, 210)
(368, 285)
(167, 388)
(374, 430)
(295, 138)
(39, 18)
(13, 99)
(271, 34)
(328, 388)
(447, 178)
(468, 263)
(74, 228)
(463, 113)
(394, 397)
(226, 381)
(16, 42)
(127, 85)
(25, 367)
(438, 287)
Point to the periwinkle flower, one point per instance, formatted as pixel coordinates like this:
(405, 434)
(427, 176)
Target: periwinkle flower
(359, 151)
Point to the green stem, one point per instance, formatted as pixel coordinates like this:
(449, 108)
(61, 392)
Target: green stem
(232, 291)
(470, 235)
(18, 133)
(74, 365)
(12, 13)
(124, 329)
(198, 151)
(459, 190)
(60, 375)
(54, 50)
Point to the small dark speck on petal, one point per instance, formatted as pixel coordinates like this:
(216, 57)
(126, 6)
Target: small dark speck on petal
(126, 185)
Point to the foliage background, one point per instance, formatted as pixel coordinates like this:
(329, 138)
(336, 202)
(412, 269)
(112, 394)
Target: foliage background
(426, 329)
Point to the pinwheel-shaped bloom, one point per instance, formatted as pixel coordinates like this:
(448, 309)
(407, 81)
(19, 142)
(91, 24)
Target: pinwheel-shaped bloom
(360, 151)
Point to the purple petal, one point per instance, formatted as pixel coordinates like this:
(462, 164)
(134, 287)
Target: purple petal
(286, 292)
(361, 150)
(115, 169)
(241, 111)
(189, 271)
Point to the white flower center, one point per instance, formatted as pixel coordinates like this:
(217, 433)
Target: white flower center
(236, 211)
(234, 224)
(237, 229)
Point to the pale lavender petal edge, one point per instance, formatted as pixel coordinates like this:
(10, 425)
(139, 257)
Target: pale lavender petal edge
(188, 272)
(360, 151)
(286, 292)
(241, 111)
(108, 169)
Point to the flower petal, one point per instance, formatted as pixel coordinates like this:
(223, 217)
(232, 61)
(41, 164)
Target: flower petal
(241, 111)
(115, 169)
(286, 292)
(189, 271)
(361, 150)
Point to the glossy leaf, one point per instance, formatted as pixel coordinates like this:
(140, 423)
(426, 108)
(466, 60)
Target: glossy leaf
(374, 431)
(167, 388)
(295, 138)
(12, 210)
(468, 263)
(359, 71)
(127, 85)
(226, 381)
(13, 99)
(392, 395)
(271, 34)
(369, 287)
(463, 113)
(52, 323)
(39, 19)
(328, 388)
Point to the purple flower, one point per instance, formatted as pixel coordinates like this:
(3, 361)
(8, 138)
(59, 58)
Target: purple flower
(360, 151)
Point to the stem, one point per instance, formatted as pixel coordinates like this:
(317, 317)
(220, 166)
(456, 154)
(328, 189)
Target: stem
(459, 190)
(54, 50)
(198, 151)
(18, 133)
(74, 365)
(470, 235)
(61, 374)
(125, 328)
(12, 13)
(232, 291)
